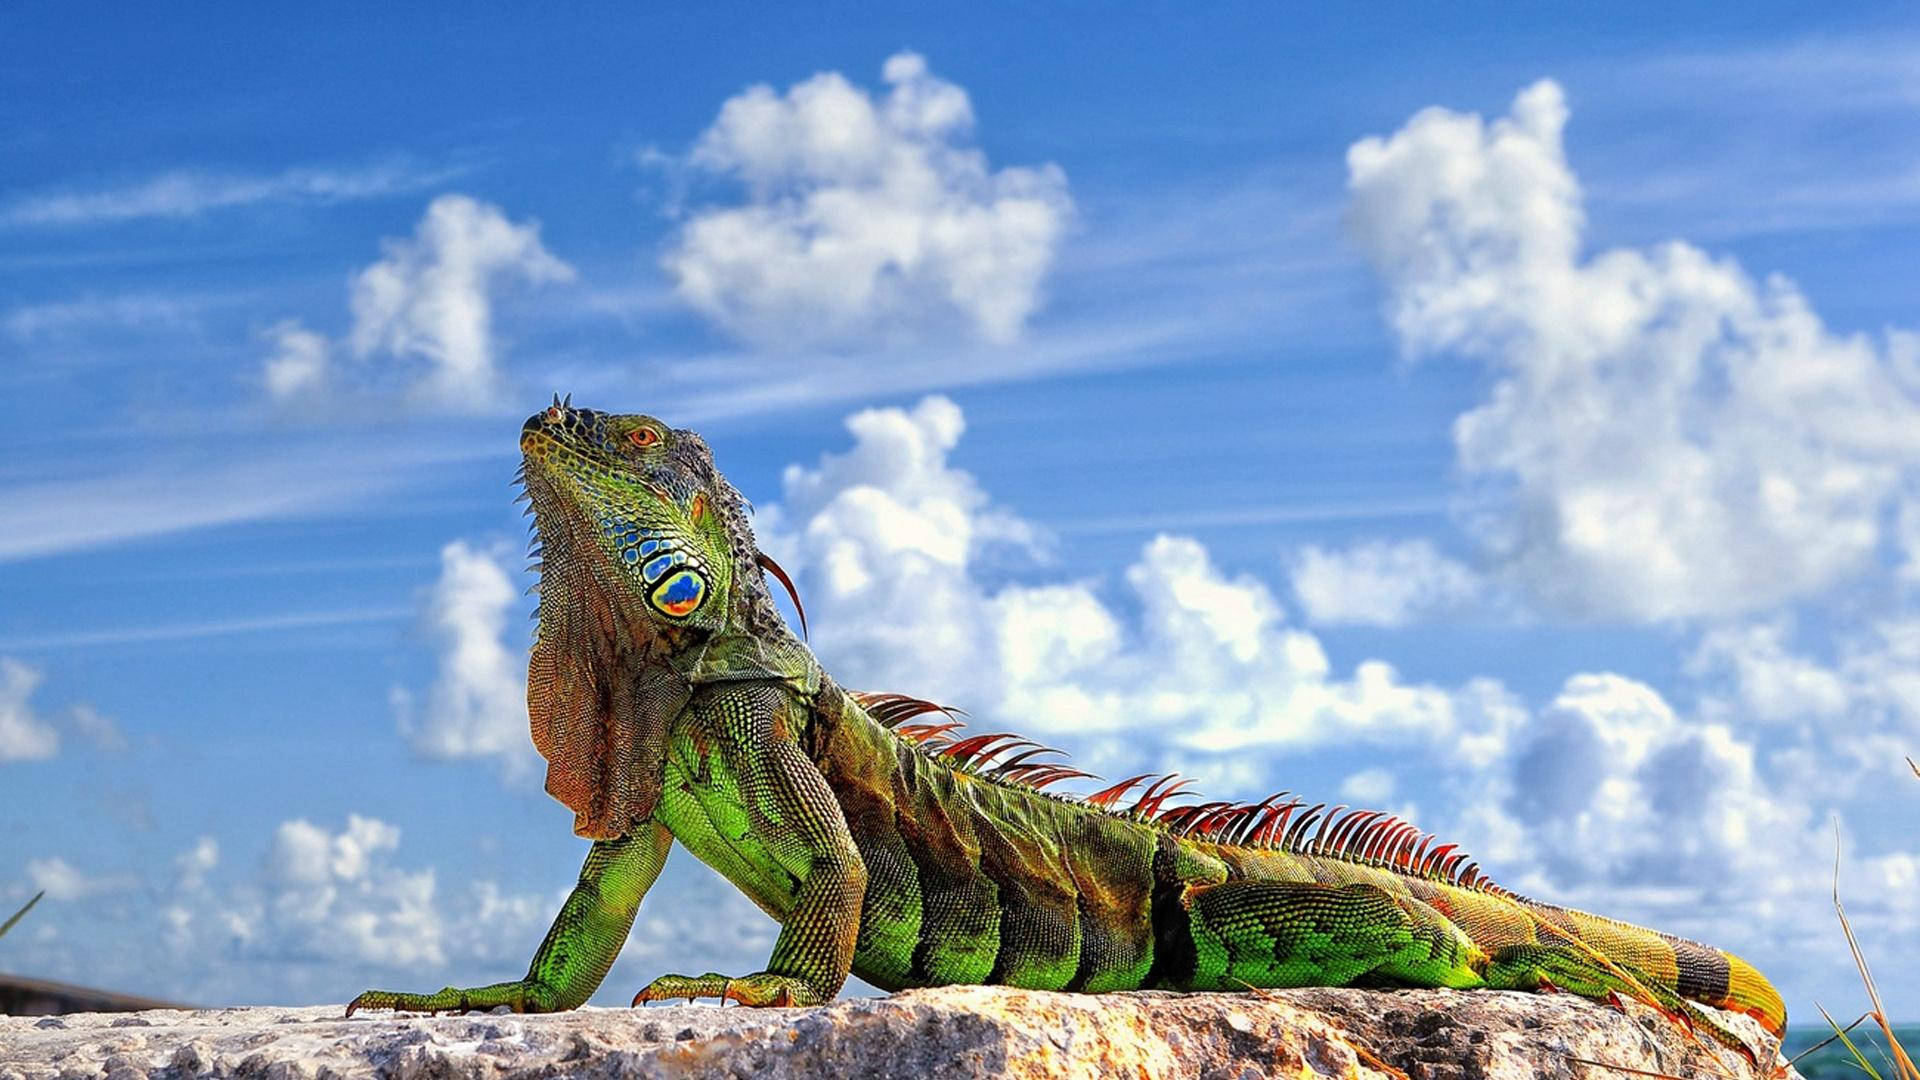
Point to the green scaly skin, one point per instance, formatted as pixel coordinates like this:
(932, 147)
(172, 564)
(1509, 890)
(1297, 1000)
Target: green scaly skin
(672, 703)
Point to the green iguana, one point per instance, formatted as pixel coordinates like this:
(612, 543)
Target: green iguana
(671, 702)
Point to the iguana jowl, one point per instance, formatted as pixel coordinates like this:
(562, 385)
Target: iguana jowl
(671, 702)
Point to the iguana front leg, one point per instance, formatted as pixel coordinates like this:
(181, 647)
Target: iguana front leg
(586, 936)
(745, 799)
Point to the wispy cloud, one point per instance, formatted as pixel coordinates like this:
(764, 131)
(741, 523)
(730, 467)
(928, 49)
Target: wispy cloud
(1687, 157)
(186, 193)
(1824, 74)
(154, 498)
(134, 635)
(1247, 516)
(45, 518)
(289, 568)
(144, 311)
(1245, 263)
(706, 387)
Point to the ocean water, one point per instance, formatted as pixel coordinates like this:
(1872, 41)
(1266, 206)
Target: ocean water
(1834, 1063)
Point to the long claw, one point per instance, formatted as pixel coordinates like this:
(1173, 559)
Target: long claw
(763, 990)
(518, 996)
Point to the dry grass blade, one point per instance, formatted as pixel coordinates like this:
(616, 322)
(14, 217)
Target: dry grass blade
(1628, 1069)
(18, 915)
(1371, 1059)
(1859, 1058)
(1839, 1035)
(1366, 1056)
(1903, 1064)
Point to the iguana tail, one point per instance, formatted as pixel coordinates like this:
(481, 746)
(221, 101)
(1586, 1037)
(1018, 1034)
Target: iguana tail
(1749, 992)
(1695, 971)
(1641, 963)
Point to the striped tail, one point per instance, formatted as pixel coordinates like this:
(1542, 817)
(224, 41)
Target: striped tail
(1690, 969)
(1749, 992)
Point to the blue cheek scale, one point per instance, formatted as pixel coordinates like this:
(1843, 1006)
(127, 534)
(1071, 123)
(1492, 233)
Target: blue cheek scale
(681, 594)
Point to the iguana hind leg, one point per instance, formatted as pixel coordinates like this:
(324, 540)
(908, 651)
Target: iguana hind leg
(578, 950)
(1273, 934)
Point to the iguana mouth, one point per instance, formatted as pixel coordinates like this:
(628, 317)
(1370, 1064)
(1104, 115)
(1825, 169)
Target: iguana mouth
(573, 568)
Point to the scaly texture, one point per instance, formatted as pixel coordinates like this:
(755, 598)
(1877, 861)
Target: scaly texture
(672, 703)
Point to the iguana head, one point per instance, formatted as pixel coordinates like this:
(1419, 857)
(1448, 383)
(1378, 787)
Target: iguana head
(647, 564)
(629, 506)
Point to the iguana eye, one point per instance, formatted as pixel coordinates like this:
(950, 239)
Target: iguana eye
(643, 437)
(679, 594)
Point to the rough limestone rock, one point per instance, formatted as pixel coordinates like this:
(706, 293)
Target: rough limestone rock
(949, 1032)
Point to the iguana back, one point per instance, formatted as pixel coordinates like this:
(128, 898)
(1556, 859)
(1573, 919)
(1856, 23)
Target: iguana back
(1022, 887)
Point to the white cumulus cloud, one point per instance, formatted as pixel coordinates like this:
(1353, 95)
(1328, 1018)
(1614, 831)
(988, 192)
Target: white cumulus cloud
(896, 546)
(431, 297)
(1846, 697)
(195, 863)
(1666, 437)
(299, 365)
(61, 880)
(24, 736)
(328, 909)
(27, 735)
(1370, 787)
(477, 706)
(1380, 583)
(426, 308)
(1617, 802)
(1772, 682)
(336, 894)
(865, 217)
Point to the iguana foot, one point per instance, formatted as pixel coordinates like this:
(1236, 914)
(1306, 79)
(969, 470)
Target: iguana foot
(521, 997)
(763, 989)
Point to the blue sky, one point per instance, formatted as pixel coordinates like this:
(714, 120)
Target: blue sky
(1508, 419)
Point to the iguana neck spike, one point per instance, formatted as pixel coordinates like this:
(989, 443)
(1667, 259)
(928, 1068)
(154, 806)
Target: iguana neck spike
(766, 563)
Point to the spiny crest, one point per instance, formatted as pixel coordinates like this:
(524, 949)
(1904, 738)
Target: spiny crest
(766, 563)
(1280, 821)
(974, 754)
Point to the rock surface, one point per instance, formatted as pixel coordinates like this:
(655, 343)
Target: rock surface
(949, 1032)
